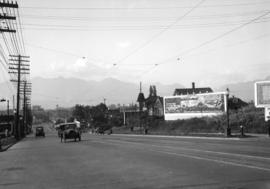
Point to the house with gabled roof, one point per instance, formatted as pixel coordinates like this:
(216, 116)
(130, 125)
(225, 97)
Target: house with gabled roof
(192, 90)
(154, 103)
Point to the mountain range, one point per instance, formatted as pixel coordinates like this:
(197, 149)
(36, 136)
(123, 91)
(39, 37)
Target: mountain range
(66, 92)
(70, 91)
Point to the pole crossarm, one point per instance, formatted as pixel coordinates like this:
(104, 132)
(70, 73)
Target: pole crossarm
(13, 68)
(24, 73)
(14, 80)
(21, 56)
(6, 17)
(14, 64)
(16, 60)
(8, 4)
(7, 30)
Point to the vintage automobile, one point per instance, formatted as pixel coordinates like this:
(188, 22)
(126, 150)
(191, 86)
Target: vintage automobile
(71, 131)
(40, 131)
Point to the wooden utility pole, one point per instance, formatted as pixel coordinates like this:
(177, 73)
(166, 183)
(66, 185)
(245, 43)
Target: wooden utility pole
(17, 67)
(17, 117)
(228, 129)
(26, 92)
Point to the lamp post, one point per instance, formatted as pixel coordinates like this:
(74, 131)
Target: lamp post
(4, 100)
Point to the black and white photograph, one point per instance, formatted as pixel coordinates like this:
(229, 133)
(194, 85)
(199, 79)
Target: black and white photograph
(135, 94)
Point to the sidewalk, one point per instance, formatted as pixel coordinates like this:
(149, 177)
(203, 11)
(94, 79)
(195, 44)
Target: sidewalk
(6, 143)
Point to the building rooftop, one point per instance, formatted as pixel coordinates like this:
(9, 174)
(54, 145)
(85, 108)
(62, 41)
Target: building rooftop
(192, 90)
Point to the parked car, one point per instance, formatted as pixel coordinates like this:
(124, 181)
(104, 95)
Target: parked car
(40, 131)
(71, 131)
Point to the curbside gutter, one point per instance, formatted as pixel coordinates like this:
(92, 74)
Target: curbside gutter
(5, 144)
(170, 136)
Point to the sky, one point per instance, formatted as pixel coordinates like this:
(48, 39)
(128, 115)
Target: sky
(210, 42)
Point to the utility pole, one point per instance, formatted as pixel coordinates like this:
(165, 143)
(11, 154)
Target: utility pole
(8, 110)
(17, 67)
(228, 129)
(141, 101)
(26, 92)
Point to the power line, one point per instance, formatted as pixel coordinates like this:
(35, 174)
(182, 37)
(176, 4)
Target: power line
(214, 39)
(53, 50)
(160, 33)
(21, 33)
(141, 8)
(137, 18)
(210, 41)
(144, 27)
(62, 52)
(226, 33)
(238, 43)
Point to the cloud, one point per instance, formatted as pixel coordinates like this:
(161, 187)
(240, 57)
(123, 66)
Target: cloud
(123, 44)
(79, 65)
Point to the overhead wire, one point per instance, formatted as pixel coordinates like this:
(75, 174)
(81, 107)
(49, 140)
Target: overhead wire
(13, 44)
(20, 31)
(137, 18)
(141, 27)
(209, 41)
(226, 33)
(212, 39)
(142, 8)
(17, 35)
(160, 33)
(14, 36)
(237, 43)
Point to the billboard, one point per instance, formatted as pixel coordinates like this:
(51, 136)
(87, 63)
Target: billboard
(195, 105)
(262, 94)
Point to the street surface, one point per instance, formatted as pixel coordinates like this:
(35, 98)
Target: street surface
(117, 161)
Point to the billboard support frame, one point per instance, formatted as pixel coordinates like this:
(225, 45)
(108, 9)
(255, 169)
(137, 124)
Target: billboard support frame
(266, 106)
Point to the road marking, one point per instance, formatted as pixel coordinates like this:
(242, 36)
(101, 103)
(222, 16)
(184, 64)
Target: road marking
(197, 150)
(194, 157)
(168, 136)
(215, 160)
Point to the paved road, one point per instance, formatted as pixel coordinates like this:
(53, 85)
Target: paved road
(117, 161)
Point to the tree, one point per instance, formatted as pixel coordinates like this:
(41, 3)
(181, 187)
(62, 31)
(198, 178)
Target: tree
(79, 112)
(58, 121)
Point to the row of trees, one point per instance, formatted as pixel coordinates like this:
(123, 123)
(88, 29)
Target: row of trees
(98, 116)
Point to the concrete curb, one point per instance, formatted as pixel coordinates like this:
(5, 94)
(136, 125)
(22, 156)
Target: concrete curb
(6, 147)
(169, 136)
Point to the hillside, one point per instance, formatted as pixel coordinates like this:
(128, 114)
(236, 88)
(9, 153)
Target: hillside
(66, 92)
(70, 91)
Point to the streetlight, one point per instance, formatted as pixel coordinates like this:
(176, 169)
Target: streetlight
(4, 100)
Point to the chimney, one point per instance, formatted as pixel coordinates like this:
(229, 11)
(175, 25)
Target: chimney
(193, 85)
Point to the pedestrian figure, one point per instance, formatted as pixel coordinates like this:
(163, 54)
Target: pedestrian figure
(242, 130)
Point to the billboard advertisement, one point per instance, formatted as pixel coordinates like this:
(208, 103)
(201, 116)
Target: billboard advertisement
(196, 105)
(262, 94)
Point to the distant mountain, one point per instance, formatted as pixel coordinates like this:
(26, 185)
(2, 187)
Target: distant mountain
(243, 90)
(67, 92)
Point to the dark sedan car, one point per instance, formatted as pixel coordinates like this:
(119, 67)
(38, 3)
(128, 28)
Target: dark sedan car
(71, 131)
(40, 131)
